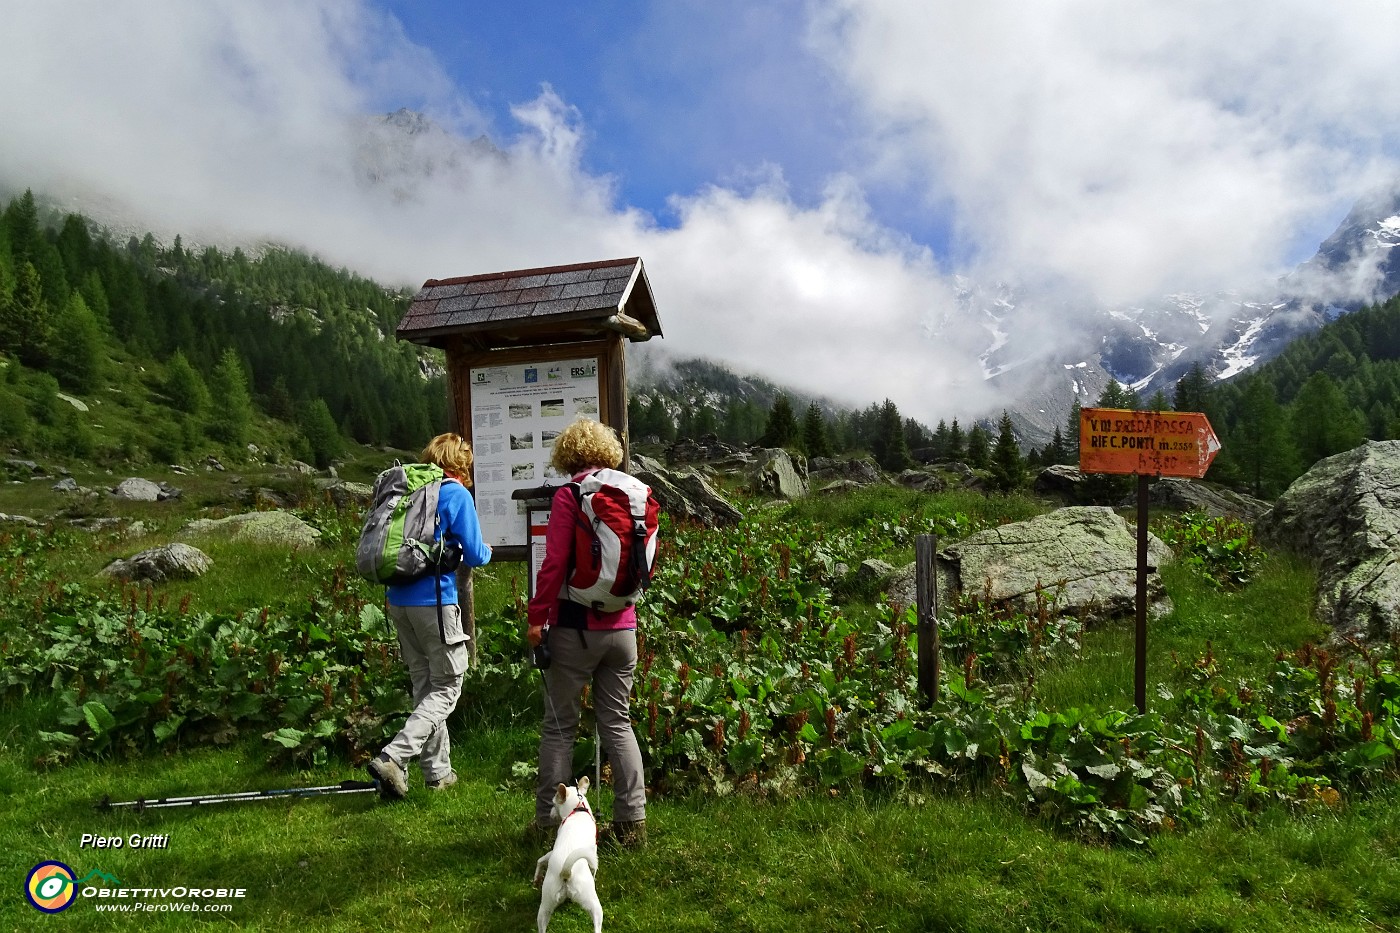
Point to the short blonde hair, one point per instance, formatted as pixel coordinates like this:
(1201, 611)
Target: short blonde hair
(584, 444)
(452, 453)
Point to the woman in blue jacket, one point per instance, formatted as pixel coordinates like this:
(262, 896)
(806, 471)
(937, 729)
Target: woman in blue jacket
(431, 639)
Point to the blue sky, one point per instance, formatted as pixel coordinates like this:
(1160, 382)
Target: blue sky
(675, 96)
(825, 178)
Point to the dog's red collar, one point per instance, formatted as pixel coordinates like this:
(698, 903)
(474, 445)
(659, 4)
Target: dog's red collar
(581, 808)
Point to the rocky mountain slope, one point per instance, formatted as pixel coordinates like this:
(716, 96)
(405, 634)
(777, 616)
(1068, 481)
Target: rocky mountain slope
(1151, 347)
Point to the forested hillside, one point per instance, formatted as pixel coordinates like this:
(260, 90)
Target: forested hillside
(1327, 392)
(195, 351)
(694, 398)
(189, 352)
(179, 353)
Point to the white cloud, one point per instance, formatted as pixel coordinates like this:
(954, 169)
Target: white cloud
(1122, 149)
(231, 119)
(1126, 147)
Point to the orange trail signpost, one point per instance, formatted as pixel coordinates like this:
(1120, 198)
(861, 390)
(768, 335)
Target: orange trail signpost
(1145, 444)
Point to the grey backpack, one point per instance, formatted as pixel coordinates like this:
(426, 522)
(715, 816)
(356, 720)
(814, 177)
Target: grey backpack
(399, 542)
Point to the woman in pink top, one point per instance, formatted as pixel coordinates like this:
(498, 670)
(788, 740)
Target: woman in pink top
(586, 646)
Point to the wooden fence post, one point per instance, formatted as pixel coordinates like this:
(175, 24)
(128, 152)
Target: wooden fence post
(926, 614)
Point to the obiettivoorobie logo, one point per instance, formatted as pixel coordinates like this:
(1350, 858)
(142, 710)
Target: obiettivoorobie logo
(51, 886)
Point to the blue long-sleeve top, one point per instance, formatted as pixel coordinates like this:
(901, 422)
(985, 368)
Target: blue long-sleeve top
(456, 519)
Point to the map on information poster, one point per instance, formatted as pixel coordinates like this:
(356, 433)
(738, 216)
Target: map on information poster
(517, 412)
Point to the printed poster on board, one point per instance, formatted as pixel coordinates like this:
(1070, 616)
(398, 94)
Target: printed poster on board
(517, 412)
(538, 521)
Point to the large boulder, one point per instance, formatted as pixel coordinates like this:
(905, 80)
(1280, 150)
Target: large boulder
(1216, 501)
(857, 470)
(24, 469)
(706, 449)
(135, 489)
(775, 473)
(1084, 560)
(262, 527)
(170, 562)
(922, 480)
(346, 495)
(1059, 479)
(685, 495)
(1344, 516)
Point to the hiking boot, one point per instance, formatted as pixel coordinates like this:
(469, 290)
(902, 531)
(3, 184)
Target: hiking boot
(541, 833)
(629, 834)
(393, 782)
(442, 783)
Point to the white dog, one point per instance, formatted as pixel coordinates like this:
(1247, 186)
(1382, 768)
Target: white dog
(567, 870)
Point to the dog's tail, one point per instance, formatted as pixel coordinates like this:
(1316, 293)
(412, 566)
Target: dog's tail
(587, 854)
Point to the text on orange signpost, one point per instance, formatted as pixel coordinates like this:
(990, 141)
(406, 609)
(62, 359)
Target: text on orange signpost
(1147, 443)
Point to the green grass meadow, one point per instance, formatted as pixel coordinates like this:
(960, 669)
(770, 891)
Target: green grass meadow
(919, 857)
(459, 860)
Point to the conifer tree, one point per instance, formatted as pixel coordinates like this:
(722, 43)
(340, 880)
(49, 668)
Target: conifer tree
(956, 442)
(686, 427)
(940, 440)
(781, 429)
(1007, 466)
(814, 439)
(79, 356)
(184, 386)
(706, 422)
(658, 419)
(1056, 451)
(26, 326)
(1323, 422)
(1072, 432)
(282, 406)
(1260, 447)
(841, 433)
(916, 436)
(231, 415)
(1191, 390)
(320, 431)
(889, 447)
(1115, 396)
(979, 450)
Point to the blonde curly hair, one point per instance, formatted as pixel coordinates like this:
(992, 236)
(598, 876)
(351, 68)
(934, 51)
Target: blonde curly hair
(586, 444)
(452, 453)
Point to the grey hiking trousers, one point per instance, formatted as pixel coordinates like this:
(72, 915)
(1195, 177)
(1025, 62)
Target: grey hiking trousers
(435, 670)
(607, 659)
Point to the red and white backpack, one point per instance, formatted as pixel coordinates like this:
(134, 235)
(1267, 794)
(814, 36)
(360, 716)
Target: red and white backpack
(614, 541)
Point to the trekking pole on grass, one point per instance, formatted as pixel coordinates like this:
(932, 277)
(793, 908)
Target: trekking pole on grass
(344, 787)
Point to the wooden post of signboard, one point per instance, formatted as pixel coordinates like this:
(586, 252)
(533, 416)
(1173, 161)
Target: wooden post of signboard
(1144, 444)
(459, 403)
(926, 616)
(615, 387)
(1140, 630)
